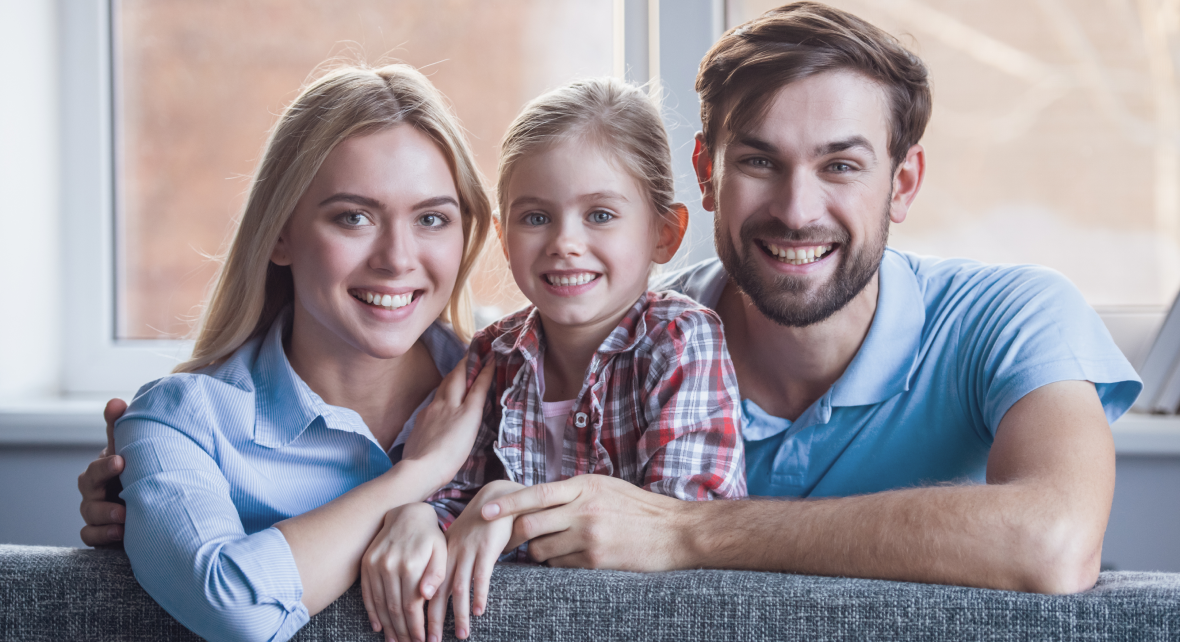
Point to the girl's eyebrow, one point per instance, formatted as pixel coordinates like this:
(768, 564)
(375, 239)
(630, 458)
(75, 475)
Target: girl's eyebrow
(593, 196)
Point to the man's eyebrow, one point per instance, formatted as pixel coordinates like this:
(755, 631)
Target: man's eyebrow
(756, 143)
(852, 142)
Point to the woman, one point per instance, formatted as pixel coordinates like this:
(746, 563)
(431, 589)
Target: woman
(259, 472)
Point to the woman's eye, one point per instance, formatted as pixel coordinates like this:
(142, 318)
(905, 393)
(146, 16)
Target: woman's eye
(601, 217)
(354, 219)
(432, 220)
(535, 219)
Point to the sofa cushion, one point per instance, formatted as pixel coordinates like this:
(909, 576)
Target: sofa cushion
(63, 593)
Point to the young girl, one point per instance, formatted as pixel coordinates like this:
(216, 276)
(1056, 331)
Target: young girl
(599, 375)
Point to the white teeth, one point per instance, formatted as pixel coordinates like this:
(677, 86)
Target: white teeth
(798, 255)
(567, 280)
(387, 301)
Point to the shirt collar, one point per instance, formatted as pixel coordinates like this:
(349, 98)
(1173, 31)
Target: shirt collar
(285, 405)
(885, 363)
(524, 336)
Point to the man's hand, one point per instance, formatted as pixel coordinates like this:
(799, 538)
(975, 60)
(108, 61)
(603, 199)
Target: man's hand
(402, 568)
(99, 486)
(594, 521)
(473, 546)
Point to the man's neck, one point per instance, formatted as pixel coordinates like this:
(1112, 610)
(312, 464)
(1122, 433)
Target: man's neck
(783, 369)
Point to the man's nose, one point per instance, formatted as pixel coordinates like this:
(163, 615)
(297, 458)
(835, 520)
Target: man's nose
(798, 201)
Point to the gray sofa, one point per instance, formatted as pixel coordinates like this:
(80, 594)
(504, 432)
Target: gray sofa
(77, 594)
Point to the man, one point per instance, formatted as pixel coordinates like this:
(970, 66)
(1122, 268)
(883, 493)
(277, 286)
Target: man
(945, 421)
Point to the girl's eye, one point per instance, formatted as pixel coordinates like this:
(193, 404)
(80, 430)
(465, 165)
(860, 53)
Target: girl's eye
(353, 218)
(535, 219)
(433, 219)
(601, 216)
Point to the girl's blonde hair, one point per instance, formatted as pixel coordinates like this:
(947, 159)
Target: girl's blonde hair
(346, 102)
(614, 114)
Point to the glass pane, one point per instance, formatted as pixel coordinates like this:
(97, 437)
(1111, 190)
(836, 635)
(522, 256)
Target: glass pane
(200, 83)
(1054, 136)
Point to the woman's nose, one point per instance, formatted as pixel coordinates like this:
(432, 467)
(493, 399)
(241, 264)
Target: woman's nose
(394, 251)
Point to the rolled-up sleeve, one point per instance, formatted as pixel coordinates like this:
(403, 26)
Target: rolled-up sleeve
(188, 547)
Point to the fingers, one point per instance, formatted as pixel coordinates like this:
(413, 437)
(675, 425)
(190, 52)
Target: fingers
(436, 611)
(114, 409)
(96, 536)
(413, 603)
(103, 514)
(393, 607)
(481, 577)
(92, 482)
(461, 596)
(436, 570)
(534, 498)
(369, 598)
(479, 388)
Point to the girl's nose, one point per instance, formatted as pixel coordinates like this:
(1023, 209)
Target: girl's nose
(569, 238)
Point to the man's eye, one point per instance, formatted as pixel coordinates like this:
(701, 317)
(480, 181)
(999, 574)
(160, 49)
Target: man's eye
(536, 219)
(840, 167)
(601, 217)
(760, 163)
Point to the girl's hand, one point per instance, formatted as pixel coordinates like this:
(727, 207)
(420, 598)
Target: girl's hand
(445, 430)
(402, 569)
(473, 546)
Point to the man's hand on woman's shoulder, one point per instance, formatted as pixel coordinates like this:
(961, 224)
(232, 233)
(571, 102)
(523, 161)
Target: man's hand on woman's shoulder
(101, 508)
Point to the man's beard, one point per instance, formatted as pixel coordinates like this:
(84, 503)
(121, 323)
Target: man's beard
(786, 299)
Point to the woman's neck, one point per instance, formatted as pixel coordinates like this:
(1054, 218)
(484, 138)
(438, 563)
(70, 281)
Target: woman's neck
(384, 392)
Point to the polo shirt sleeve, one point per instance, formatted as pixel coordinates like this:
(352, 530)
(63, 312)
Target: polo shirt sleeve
(1025, 327)
(185, 540)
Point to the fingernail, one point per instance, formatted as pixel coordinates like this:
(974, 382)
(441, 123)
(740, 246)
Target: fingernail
(113, 533)
(428, 591)
(477, 611)
(115, 514)
(432, 638)
(373, 623)
(461, 634)
(491, 510)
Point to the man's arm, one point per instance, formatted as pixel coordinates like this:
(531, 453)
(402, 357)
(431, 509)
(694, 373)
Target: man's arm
(1037, 524)
(99, 485)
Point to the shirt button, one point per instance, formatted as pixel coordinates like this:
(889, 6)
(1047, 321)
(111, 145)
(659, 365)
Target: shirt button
(580, 420)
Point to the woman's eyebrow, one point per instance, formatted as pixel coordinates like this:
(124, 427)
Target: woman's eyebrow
(435, 202)
(345, 197)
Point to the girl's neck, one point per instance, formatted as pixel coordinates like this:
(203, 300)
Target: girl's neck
(384, 392)
(568, 352)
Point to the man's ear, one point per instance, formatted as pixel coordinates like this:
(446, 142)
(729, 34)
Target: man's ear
(671, 233)
(500, 233)
(907, 180)
(702, 163)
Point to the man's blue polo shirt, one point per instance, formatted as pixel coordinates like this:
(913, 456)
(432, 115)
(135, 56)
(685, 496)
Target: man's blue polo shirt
(953, 344)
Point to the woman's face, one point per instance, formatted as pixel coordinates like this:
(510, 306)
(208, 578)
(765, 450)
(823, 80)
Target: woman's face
(374, 244)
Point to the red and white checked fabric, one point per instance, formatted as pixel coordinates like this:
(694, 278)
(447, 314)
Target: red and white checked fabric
(659, 407)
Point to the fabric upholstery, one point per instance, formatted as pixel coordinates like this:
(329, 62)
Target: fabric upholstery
(62, 593)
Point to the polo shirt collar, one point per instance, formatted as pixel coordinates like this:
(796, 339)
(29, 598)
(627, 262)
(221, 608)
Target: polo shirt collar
(885, 363)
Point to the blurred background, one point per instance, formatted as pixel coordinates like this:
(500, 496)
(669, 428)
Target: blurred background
(130, 130)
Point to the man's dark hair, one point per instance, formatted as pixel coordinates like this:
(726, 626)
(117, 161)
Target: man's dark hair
(751, 62)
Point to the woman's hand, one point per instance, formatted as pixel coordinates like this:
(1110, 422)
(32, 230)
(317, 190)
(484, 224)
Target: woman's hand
(103, 514)
(445, 430)
(473, 546)
(402, 569)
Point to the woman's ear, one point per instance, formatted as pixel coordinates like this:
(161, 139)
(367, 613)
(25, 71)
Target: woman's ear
(281, 255)
(671, 233)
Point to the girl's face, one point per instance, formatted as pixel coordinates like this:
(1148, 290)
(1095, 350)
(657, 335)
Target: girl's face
(581, 234)
(374, 244)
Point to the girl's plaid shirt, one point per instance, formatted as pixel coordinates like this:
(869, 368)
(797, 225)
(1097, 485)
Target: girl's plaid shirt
(659, 407)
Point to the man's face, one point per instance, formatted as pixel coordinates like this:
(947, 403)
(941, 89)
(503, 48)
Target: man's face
(804, 196)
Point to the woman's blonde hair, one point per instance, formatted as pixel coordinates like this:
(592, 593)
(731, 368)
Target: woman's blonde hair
(346, 102)
(607, 111)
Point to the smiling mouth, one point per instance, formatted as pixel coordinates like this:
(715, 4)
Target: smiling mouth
(568, 280)
(387, 301)
(797, 255)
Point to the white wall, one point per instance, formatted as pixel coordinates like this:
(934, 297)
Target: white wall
(30, 276)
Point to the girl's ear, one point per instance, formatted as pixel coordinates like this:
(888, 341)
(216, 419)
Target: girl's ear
(671, 234)
(500, 233)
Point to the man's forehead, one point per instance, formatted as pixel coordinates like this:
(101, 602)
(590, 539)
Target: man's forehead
(818, 111)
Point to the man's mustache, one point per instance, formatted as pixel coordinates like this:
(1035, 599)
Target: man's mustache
(775, 230)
